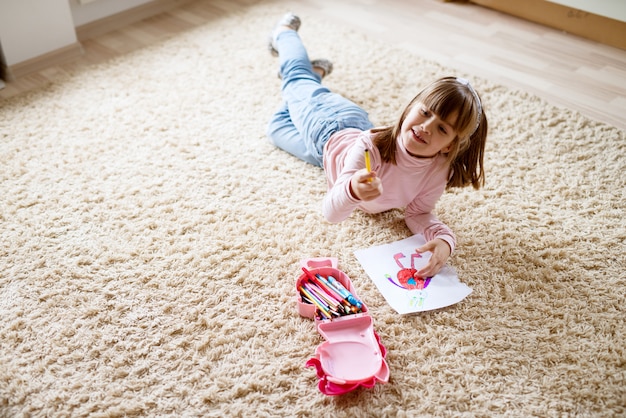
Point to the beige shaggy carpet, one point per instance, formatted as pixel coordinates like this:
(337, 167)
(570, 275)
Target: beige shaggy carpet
(151, 238)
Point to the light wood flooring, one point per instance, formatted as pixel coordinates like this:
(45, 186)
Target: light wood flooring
(566, 70)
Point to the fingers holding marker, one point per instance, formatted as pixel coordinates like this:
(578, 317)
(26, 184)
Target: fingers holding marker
(365, 185)
(368, 177)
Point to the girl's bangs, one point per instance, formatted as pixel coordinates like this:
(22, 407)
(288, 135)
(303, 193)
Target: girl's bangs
(447, 101)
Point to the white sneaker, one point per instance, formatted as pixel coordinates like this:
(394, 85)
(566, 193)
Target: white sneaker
(290, 20)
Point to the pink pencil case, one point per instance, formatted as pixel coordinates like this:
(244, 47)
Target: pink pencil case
(352, 355)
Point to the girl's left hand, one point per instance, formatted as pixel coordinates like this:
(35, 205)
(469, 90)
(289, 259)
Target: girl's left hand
(440, 252)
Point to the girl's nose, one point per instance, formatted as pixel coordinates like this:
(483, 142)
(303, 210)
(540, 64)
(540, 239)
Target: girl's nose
(427, 125)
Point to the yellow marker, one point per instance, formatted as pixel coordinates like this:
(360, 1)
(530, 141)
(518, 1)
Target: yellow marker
(368, 163)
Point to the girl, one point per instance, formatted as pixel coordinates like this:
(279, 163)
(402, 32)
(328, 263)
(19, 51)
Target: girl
(437, 143)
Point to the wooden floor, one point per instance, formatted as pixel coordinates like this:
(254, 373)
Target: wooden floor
(564, 69)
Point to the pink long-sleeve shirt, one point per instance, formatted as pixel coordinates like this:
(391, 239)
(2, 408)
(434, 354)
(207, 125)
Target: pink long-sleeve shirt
(413, 183)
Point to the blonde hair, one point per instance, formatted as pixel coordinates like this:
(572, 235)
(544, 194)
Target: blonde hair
(446, 97)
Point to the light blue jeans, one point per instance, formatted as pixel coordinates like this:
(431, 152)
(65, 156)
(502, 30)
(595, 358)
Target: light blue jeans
(310, 113)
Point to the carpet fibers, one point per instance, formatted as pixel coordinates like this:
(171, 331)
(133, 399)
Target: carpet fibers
(151, 238)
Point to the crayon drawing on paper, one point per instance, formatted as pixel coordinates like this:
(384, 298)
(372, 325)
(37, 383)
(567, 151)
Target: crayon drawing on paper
(393, 267)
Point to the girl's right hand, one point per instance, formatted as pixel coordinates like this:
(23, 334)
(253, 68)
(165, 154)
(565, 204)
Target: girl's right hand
(364, 185)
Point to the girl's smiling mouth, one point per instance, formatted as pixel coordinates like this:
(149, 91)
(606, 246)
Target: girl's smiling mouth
(417, 137)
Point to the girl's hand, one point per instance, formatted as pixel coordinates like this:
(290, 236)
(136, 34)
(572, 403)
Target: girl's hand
(364, 185)
(440, 250)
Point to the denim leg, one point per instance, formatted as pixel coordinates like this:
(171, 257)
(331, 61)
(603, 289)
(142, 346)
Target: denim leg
(284, 134)
(311, 113)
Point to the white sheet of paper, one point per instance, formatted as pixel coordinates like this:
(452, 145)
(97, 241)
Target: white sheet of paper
(389, 265)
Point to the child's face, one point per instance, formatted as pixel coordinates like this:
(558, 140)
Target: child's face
(424, 134)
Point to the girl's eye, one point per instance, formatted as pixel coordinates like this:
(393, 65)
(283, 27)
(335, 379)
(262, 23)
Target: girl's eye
(424, 112)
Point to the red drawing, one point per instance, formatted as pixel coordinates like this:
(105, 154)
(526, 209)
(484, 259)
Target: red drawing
(408, 277)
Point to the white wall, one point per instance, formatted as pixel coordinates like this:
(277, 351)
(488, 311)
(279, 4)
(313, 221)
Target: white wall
(86, 11)
(30, 28)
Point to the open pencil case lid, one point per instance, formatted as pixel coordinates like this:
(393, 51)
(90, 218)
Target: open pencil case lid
(352, 355)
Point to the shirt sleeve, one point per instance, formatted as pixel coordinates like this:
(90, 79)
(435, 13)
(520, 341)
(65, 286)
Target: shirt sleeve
(339, 203)
(420, 219)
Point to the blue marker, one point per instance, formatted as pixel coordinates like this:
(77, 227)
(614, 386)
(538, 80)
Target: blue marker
(344, 292)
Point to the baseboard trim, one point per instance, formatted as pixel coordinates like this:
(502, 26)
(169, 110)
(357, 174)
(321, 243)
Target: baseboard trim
(574, 21)
(41, 62)
(125, 18)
